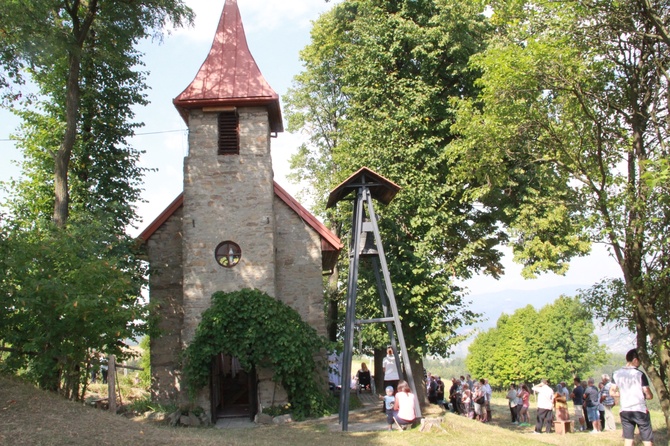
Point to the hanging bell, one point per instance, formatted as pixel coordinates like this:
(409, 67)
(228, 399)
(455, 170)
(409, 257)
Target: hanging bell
(368, 247)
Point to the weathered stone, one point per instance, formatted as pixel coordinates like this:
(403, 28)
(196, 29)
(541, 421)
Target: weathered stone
(263, 418)
(204, 419)
(228, 197)
(193, 420)
(428, 423)
(173, 418)
(283, 419)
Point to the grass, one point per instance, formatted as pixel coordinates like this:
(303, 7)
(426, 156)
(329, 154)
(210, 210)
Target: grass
(33, 417)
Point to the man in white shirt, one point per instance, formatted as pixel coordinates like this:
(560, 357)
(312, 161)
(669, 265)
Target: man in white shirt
(545, 404)
(632, 387)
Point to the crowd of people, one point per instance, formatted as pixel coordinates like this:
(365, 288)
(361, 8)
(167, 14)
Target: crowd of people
(592, 401)
(467, 397)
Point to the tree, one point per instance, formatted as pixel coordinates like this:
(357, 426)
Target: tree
(69, 295)
(572, 121)
(315, 105)
(376, 90)
(79, 175)
(59, 42)
(555, 343)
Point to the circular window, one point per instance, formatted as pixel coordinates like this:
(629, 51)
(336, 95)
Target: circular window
(228, 254)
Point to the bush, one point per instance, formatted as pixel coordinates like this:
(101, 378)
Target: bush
(260, 331)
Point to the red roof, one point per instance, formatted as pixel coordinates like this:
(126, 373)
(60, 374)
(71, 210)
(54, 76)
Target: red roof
(229, 76)
(330, 243)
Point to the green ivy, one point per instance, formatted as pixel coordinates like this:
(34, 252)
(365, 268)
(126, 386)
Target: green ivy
(260, 331)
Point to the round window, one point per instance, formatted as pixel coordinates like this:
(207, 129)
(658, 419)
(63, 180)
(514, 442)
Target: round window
(228, 254)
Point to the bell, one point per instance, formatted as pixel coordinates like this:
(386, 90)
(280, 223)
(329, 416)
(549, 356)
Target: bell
(368, 247)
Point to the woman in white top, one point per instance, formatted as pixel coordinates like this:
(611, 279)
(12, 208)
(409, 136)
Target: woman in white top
(404, 406)
(390, 369)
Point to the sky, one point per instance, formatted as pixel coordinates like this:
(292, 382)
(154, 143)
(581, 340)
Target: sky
(276, 31)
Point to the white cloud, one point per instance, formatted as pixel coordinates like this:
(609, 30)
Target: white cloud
(257, 15)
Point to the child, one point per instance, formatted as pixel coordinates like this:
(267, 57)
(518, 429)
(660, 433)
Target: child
(389, 401)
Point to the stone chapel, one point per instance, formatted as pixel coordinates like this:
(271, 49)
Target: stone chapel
(233, 227)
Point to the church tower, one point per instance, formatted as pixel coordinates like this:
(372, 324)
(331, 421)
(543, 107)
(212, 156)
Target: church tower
(231, 228)
(228, 216)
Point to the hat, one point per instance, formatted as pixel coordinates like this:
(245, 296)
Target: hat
(389, 388)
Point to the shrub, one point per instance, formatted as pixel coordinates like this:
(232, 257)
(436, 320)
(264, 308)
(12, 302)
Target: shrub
(260, 331)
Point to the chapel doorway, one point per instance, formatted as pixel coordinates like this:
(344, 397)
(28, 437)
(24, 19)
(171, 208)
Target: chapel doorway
(233, 392)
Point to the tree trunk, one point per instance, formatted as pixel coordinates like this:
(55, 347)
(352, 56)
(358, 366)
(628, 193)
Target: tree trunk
(378, 361)
(416, 363)
(333, 301)
(62, 157)
(80, 32)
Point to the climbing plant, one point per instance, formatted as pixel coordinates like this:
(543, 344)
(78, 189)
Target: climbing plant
(260, 331)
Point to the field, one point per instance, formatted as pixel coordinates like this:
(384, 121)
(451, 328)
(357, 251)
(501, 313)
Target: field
(33, 417)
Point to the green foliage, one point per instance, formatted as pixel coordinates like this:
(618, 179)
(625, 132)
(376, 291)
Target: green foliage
(375, 92)
(82, 60)
(557, 342)
(569, 137)
(68, 296)
(446, 369)
(260, 332)
(76, 293)
(145, 362)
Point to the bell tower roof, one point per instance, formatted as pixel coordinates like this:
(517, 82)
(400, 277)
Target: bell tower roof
(229, 76)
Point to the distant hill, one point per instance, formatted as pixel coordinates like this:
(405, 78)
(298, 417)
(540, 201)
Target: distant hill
(493, 305)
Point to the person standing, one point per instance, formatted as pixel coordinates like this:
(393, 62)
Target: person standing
(524, 394)
(545, 404)
(565, 391)
(577, 397)
(592, 398)
(389, 402)
(466, 400)
(390, 369)
(440, 390)
(478, 397)
(512, 403)
(431, 389)
(632, 387)
(608, 402)
(489, 394)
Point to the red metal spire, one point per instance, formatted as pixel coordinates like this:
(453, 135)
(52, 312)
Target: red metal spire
(229, 75)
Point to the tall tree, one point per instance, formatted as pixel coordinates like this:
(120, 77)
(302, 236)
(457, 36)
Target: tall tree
(71, 276)
(381, 74)
(53, 40)
(573, 121)
(557, 342)
(316, 105)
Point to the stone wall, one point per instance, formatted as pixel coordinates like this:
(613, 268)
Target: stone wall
(165, 289)
(299, 278)
(227, 197)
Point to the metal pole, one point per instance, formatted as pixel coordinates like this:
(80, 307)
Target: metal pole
(350, 316)
(394, 307)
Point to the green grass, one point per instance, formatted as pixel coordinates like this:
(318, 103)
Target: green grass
(33, 417)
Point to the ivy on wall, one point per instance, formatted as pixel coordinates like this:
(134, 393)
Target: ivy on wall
(263, 332)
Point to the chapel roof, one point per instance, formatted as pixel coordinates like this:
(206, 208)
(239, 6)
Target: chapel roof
(229, 76)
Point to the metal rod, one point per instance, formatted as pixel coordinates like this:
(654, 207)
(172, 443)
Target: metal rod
(372, 321)
(350, 316)
(394, 306)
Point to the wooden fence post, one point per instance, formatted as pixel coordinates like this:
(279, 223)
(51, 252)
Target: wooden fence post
(111, 383)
